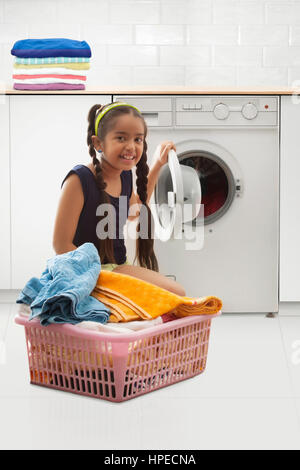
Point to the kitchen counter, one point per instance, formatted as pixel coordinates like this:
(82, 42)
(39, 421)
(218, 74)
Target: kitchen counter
(161, 90)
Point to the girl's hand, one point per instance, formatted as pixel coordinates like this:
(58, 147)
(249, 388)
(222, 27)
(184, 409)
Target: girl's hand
(165, 147)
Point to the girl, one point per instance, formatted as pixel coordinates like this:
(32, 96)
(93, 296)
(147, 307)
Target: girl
(118, 132)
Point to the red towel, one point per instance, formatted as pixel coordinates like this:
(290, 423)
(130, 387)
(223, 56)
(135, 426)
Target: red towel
(49, 75)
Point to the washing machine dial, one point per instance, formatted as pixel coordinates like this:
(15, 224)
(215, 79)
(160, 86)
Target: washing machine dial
(221, 111)
(249, 111)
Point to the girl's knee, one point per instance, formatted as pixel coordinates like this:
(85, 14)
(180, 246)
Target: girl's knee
(182, 291)
(178, 289)
(152, 277)
(173, 286)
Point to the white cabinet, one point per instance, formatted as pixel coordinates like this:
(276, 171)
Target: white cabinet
(5, 248)
(289, 287)
(47, 138)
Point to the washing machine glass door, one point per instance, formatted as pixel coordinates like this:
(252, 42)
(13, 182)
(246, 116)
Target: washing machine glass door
(216, 180)
(167, 209)
(192, 193)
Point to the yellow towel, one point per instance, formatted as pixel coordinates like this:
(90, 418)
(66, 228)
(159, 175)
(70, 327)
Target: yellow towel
(130, 299)
(75, 66)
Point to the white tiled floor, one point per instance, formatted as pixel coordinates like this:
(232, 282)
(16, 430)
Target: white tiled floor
(248, 397)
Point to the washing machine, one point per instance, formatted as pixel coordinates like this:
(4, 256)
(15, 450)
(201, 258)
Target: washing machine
(228, 245)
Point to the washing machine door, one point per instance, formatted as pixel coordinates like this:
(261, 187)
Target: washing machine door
(192, 193)
(177, 187)
(218, 185)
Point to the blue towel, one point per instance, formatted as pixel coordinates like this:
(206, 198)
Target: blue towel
(53, 47)
(62, 294)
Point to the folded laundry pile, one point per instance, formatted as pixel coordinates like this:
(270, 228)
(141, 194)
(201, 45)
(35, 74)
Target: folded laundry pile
(50, 64)
(129, 298)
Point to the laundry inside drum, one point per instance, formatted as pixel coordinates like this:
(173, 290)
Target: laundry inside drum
(216, 180)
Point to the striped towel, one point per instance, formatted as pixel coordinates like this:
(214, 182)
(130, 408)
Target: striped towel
(51, 60)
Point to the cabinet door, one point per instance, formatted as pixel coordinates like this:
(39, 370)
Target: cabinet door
(48, 137)
(289, 200)
(4, 195)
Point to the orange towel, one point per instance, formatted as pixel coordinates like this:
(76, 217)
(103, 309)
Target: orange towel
(130, 299)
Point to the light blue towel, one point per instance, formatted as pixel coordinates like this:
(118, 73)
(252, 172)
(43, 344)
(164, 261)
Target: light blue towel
(62, 294)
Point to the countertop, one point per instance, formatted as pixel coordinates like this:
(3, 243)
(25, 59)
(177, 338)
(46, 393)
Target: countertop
(161, 91)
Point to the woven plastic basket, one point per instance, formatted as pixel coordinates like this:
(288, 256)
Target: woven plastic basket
(116, 367)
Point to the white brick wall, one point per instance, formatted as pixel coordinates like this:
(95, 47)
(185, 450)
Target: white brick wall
(166, 42)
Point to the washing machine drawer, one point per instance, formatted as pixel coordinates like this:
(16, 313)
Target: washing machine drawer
(157, 111)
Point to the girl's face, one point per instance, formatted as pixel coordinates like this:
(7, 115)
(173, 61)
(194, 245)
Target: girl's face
(123, 145)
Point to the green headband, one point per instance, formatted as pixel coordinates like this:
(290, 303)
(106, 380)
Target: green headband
(111, 106)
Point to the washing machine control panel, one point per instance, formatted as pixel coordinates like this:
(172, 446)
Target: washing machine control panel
(227, 110)
(206, 110)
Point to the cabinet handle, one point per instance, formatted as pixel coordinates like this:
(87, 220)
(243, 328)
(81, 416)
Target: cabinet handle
(171, 275)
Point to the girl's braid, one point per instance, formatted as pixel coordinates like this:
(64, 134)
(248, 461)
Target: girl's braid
(105, 248)
(144, 247)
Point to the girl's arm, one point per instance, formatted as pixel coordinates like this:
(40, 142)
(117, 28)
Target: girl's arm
(160, 159)
(67, 216)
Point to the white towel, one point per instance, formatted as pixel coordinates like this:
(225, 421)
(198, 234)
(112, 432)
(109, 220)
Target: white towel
(58, 70)
(126, 327)
(32, 81)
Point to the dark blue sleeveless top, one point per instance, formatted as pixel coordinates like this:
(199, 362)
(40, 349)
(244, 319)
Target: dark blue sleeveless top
(86, 227)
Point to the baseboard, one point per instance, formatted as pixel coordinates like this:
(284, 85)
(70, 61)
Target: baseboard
(9, 295)
(289, 309)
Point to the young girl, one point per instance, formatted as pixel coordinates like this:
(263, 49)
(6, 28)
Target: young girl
(117, 131)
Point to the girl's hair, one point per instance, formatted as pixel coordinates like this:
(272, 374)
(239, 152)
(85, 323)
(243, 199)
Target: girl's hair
(144, 246)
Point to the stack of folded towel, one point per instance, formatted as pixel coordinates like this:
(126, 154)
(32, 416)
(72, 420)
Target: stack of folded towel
(50, 64)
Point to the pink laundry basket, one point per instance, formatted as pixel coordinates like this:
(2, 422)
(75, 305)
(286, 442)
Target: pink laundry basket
(116, 367)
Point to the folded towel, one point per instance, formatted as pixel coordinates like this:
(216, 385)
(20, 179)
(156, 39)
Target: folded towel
(48, 72)
(51, 47)
(19, 68)
(33, 81)
(129, 298)
(49, 75)
(62, 294)
(48, 86)
(51, 60)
